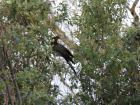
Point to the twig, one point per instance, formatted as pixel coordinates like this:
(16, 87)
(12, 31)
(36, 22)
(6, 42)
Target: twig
(133, 12)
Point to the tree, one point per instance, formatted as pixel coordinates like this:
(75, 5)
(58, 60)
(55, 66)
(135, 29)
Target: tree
(109, 55)
(108, 52)
(25, 50)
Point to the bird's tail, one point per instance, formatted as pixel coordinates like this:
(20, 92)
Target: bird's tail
(72, 68)
(72, 61)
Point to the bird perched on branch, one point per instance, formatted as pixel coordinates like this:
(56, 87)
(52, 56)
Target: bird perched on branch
(62, 51)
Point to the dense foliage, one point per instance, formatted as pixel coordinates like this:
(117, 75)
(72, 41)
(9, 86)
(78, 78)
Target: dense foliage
(25, 50)
(109, 53)
(111, 57)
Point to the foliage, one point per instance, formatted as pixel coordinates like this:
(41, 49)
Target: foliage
(110, 58)
(109, 55)
(25, 45)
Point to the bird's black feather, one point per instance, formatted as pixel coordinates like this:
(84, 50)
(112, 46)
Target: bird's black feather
(62, 51)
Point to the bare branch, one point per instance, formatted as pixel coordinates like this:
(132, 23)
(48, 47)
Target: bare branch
(133, 12)
(57, 30)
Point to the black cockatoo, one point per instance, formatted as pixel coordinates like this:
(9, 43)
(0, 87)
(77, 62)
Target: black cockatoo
(62, 51)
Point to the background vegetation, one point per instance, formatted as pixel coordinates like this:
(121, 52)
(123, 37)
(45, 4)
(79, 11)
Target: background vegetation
(109, 52)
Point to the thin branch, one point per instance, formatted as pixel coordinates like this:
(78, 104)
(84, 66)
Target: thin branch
(133, 12)
(57, 30)
(12, 75)
(7, 90)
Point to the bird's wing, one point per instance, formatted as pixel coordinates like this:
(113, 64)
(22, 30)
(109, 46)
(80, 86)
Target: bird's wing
(64, 50)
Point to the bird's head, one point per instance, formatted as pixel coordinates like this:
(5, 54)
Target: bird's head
(55, 39)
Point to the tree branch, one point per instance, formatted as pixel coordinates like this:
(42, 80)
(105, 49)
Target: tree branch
(133, 12)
